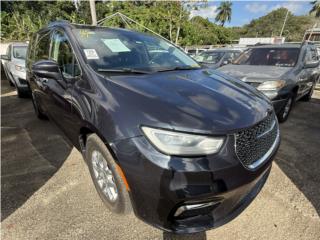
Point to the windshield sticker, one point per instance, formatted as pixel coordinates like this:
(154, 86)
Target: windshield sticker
(91, 54)
(115, 45)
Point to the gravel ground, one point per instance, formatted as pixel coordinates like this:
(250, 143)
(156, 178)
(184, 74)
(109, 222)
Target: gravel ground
(47, 193)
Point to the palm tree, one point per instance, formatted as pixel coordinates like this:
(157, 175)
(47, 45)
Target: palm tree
(315, 10)
(224, 12)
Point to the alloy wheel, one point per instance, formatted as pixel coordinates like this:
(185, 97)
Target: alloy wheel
(104, 176)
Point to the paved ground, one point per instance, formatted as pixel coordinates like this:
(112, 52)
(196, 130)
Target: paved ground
(47, 191)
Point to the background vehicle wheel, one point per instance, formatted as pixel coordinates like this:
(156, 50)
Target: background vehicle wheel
(104, 173)
(37, 108)
(285, 111)
(22, 93)
(308, 96)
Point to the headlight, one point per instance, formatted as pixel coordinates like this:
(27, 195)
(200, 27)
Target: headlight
(19, 68)
(271, 85)
(177, 143)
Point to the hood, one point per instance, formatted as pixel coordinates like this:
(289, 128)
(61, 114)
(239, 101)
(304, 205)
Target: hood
(202, 101)
(254, 73)
(19, 62)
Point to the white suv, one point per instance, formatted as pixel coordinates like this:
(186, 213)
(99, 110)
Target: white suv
(14, 67)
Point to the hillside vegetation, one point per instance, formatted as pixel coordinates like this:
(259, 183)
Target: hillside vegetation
(170, 19)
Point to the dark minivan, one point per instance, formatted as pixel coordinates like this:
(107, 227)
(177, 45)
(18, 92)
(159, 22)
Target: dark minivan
(186, 148)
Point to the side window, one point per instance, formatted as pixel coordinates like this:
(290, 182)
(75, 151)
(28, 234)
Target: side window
(42, 46)
(311, 55)
(31, 51)
(62, 53)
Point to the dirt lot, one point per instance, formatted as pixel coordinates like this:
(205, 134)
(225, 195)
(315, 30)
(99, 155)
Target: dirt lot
(47, 191)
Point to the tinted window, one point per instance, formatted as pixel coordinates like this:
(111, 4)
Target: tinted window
(114, 49)
(311, 55)
(20, 52)
(62, 53)
(282, 57)
(42, 46)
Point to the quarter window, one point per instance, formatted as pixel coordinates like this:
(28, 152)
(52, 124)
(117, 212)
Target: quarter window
(42, 46)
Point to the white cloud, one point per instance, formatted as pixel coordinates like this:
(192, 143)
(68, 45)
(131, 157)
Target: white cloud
(295, 8)
(256, 7)
(208, 12)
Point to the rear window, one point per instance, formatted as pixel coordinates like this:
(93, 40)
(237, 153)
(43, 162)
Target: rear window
(281, 57)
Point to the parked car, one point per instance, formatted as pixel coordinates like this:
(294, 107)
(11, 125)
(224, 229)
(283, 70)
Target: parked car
(14, 67)
(217, 58)
(285, 73)
(193, 52)
(185, 147)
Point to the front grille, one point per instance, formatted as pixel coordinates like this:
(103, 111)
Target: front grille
(253, 143)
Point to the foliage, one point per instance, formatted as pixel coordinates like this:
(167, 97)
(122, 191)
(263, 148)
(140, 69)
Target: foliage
(224, 12)
(19, 19)
(271, 24)
(315, 10)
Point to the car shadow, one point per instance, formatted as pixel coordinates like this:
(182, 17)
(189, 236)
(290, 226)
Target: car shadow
(31, 151)
(299, 153)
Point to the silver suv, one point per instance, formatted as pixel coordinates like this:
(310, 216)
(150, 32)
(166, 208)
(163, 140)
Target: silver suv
(14, 67)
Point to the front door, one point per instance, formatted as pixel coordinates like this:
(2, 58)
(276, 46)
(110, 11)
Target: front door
(60, 91)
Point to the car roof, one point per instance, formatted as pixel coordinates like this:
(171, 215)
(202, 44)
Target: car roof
(65, 24)
(19, 44)
(224, 50)
(284, 45)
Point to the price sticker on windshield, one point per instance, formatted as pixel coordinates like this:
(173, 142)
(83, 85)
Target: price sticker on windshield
(91, 54)
(115, 45)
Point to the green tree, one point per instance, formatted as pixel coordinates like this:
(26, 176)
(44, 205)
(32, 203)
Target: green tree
(315, 10)
(271, 24)
(224, 12)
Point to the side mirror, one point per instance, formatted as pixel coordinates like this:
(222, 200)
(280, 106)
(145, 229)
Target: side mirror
(47, 69)
(311, 64)
(5, 57)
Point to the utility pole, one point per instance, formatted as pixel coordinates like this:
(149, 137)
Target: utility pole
(93, 12)
(284, 22)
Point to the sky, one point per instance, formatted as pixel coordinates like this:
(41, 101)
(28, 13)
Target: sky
(244, 11)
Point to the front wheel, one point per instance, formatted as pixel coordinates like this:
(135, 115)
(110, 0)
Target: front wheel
(308, 96)
(286, 109)
(107, 176)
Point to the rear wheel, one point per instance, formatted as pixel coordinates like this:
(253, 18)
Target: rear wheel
(308, 96)
(37, 108)
(105, 174)
(286, 109)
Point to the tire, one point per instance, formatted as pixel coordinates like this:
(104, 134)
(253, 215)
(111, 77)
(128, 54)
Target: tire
(308, 96)
(22, 93)
(11, 84)
(286, 109)
(120, 204)
(37, 108)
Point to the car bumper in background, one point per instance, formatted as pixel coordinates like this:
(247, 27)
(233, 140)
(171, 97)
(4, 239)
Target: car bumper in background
(186, 195)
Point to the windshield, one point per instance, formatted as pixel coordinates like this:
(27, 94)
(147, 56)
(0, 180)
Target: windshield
(20, 52)
(112, 49)
(281, 57)
(209, 57)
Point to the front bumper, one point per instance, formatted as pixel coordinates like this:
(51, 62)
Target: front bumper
(161, 184)
(19, 79)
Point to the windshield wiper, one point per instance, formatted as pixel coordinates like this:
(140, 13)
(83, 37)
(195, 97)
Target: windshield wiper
(122, 70)
(178, 68)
